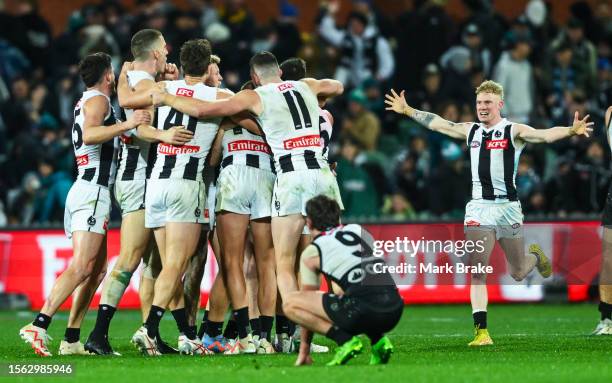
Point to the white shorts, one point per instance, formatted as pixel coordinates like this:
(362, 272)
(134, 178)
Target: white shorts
(245, 190)
(174, 200)
(292, 190)
(506, 218)
(130, 195)
(88, 208)
(211, 195)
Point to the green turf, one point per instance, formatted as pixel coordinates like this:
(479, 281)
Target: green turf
(533, 343)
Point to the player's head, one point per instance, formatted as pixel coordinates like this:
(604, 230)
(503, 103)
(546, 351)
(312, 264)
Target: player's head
(489, 101)
(213, 75)
(149, 44)
(322, 213)
(96, 70)
(293, 69)
(264, 67)
(195, 57)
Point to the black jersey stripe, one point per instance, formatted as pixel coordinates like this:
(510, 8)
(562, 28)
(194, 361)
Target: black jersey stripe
(511, 192)
(484, 167)
(89, 174)
(252, 160)
(295, 115)
(311, 160)
(169, 163)
(131, 163)
(107, 151)
(304, 109)
(191, 169)
(227, 161)
(285, 163)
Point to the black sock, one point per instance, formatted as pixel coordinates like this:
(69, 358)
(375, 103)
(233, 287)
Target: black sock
(291, 327)
(282, 324)
(42, 321)
(72, 335)
(375, 337)
(180, 316)
(338, 335)
(231, 331)
(152, 323)
(214, 329)
(241, 316)
(606, 310)
(105, 315)
(255, 326)
(203, 328)
(266, 327)
(480, 319)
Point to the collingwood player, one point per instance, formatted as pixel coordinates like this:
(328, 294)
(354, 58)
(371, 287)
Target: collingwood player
(149, 50)
(604, 327)
(176, 198)
(88, 203)
(288, 112)
(363, 301)
(495, 145)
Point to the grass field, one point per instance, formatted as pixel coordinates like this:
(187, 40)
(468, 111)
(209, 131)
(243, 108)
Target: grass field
(533, 343)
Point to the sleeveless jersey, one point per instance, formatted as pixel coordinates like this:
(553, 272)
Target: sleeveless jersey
(290, 121)
(187, 161)
(610, 132)
(133, 152)
(346, 257)
(96, 163)
(494, 157)
(325, 130)
(241, 147)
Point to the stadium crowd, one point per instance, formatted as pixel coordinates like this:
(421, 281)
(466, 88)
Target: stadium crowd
(387, 167)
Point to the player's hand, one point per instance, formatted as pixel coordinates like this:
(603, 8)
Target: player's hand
(581, 127)
(177, 135)
(171, 72)
(396, 102)
(139, 117)
(127, 66)
(303, 359)
(157, 93)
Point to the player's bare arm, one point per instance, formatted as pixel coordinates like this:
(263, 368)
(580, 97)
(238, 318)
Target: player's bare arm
(325, 88)
(608, 117)
(397, 103)
(176, 135)
(246, 120)
(95, 110)
(216, 149)
(133, 98)
(310, 281)
(580, 127)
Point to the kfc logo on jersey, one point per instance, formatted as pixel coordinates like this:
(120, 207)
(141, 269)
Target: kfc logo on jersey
(497, 144)
(302, 142)
(184, 92)
(82, 160)
(248, 145)
(171, 150)
(284, 86)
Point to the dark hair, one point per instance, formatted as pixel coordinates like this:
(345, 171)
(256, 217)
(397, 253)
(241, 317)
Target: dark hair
(248, 85)
(142, 43)
(263, 59)
(293, 69)
(363, 19)
(93, 67)
(324, 212)
(195, 57)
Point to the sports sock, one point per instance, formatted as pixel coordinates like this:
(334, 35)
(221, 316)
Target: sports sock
(375, 337)
(42, 321)
(203, 325)
(480, 319)
(180, 316)
(266, 327)
(72, 335)
(338, 335)
(214, 329)
(282, 324)
(241, 316)
(152, 323)
(231, 331)
(105, 315)
(606, 310)
(255, 326)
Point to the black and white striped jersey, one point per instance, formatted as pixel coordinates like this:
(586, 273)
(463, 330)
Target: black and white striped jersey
(186, 161)
(494, 157)
(290, 121)
(346, 257)
(133, 152)
(325, 130)
(96, 163)
(241, 147)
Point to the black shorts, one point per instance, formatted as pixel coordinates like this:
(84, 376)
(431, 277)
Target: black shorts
(606, 219)
(373, 311)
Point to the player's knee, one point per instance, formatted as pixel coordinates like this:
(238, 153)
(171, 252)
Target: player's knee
(81, 270)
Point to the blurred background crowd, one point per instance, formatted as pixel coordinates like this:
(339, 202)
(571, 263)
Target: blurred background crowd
(388, 167)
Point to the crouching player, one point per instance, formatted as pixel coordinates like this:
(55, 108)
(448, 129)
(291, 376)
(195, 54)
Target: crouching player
(364, 301)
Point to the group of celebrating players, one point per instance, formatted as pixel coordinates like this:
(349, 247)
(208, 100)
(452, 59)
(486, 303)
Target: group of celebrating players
(249, 173)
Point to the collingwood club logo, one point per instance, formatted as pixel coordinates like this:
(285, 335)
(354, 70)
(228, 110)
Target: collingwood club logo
(91, 220)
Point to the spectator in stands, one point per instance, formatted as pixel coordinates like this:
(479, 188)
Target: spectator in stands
(527, 180)
(452, 174)
(22, 201)
(471, 44)
(561, 190)
(514, 72)
(397, 207)
(593, 178)
(53, 192)
(410, 182)
(288, 41)
(363, 52)
(360, 124)
(430, 95)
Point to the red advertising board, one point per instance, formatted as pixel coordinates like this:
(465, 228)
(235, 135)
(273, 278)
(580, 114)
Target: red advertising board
(30, 262)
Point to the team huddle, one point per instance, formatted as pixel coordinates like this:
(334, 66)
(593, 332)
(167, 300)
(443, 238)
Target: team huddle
(249, 172)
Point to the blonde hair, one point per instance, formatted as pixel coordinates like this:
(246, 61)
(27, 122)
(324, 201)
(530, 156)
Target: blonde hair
(214, 59)
(490, 86)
